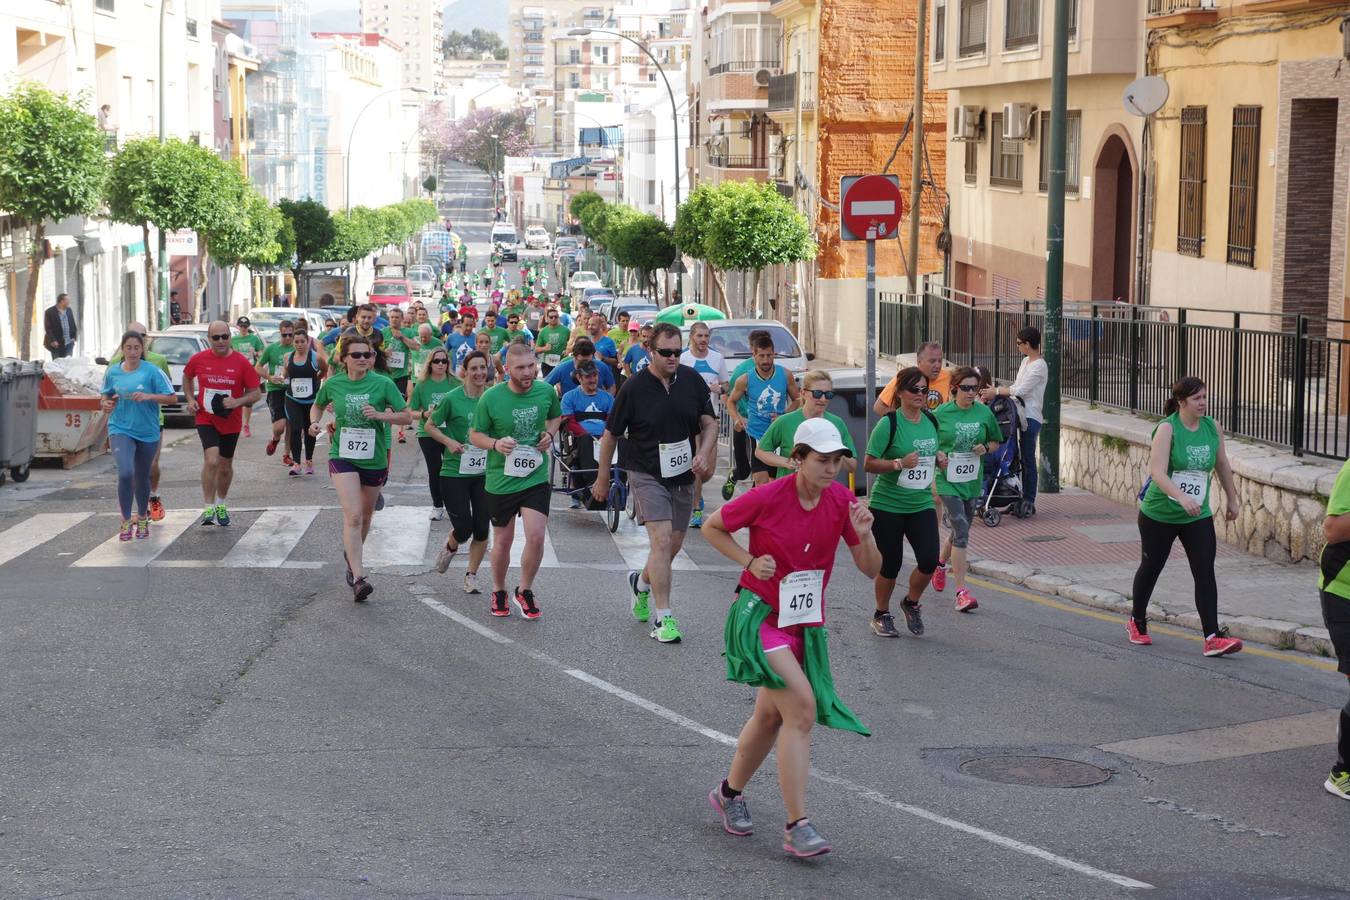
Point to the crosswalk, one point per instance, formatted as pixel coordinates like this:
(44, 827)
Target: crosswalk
(400, 537)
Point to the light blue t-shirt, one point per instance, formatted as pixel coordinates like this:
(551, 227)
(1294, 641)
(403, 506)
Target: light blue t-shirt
(565, 374)
(461, 345)
(637, 358)
(139, 421)
(591, 410)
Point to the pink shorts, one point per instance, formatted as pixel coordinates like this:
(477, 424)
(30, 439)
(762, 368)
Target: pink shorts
(772, 638)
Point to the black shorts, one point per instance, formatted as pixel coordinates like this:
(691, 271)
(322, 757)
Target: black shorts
(276, 405)
(502, 508)
(225, 443)
(1336, 615)
(891, 530)
(368, 477)
(402, 384)
(757, 464)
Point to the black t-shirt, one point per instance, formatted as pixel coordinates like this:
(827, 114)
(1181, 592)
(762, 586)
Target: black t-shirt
(648, 416)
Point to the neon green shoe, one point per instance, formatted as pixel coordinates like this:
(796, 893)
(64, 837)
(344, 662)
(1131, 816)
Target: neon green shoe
(641, 607)
(1338, 783)
(668, 632)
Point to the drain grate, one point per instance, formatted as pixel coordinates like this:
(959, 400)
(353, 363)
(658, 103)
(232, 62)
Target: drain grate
(1035, 771)
(1043, 538)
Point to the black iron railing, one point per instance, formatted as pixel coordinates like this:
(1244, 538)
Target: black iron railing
(1278, 379)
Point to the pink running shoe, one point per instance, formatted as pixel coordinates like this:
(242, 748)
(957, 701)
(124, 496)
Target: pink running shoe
(1138, 635)
(1217, 645)
(309, 467)
(966, 602)
(127, 528)
(939, 580)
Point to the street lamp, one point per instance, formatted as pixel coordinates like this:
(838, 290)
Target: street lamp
(347, 177)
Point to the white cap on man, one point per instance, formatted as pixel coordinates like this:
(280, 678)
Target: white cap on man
(820, 435)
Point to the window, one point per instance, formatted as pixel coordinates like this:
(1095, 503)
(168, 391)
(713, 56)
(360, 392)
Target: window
(1242, 186)
(574, 80)
(744, 42)
(939, 30)
(602, 55)
(651, 192)
(972, 160)
(1005, 157)
(1073, 141)
(1191, 212)
(1022, 24)
(973, 28)
(1073, 20)
(574, 57)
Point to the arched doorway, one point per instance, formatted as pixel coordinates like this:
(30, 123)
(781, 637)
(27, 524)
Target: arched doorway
(1113, 222)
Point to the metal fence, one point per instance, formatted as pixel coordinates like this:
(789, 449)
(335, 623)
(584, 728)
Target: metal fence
(1278, 379)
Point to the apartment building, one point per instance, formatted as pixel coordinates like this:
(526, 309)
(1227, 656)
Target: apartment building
(653, 155)
(533, 24)
(418, 26)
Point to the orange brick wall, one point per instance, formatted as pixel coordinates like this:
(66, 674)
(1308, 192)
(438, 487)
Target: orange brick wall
(866, 89)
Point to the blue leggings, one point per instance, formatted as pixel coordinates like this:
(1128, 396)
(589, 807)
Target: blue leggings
(133, 459)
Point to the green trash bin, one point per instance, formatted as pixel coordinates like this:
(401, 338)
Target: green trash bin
(19, 383)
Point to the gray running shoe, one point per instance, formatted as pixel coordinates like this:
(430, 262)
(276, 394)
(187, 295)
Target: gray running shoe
(444, 557)
(379, 502)
(735, 812)
(913, 617)
(471, 583)
(802, 840)
(884, 626)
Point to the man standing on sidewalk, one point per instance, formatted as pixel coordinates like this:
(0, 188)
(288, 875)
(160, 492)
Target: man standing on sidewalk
(1334, 585)
(59, 328)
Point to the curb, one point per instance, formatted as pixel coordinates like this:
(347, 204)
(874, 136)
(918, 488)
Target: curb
(1281, 635)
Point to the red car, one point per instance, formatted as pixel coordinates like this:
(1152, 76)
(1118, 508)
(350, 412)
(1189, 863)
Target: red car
(391, 291)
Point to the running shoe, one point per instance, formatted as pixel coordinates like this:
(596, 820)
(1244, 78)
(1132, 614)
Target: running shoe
(142, 529)
(272, 447)
(209, 515)
(499, 606)
(735, 812)
(1218, 645)
(729, 488)
(295, 472)
(1138, 632)
(939, 581)
(696, 520)
(668, 631)
(471, 583)
(883, 625)
(127, 528)
(802, 840)
(222, 514)
(351, 579)
(361, 590)
(309, 467)
(640, 604)
(156, 510)
(437, 514)
(1338, 783)
(525, 603)
(443, 559)
(913, 616)
(965, 601)
(379, 502)
(248, 432)
(576, 503)
(287, 461)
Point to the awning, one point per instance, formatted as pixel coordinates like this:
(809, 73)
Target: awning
(609, 136)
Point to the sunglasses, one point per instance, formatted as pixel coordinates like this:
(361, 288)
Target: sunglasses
(220, 337)
(822, 395)
(667, 352)
(364, 354)
(916, 391)
(968, 388)
(440, 361)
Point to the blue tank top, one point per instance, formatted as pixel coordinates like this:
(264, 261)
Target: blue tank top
(768, 398)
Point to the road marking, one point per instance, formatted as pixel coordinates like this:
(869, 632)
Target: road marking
(270, 539)
(398, 537)
(631, 539)
(114, 553)
(1231, 741)
(819, 774)
(35, 531)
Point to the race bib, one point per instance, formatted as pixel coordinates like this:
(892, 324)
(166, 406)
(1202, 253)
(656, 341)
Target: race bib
(675, 458)
(801, 598)
(356, 443)
(1193, 484)
(552, 359)
(209, 398)
(521, 462)
(962, 467)
(920, 477)
(302, 388)
(473, 461)
(396, 359)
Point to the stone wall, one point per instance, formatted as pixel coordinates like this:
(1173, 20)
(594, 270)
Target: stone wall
(1282, 497)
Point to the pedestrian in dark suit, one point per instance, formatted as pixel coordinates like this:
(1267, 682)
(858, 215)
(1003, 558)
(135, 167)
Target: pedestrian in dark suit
(59, 328)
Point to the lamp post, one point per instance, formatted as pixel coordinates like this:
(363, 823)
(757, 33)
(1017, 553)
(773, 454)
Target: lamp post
(347, 177)
(163, 238)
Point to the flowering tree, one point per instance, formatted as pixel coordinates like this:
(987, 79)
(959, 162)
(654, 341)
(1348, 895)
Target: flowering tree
(483, 138)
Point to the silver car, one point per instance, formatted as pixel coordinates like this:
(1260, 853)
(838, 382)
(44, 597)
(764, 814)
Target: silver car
(731, 338)
(423, 280)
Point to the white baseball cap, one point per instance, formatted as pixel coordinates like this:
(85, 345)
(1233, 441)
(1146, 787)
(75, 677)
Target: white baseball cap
(820, 435)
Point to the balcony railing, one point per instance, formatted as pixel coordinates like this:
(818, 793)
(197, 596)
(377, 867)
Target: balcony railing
(741, 65)
(783, 90)
(727, 161)
(1168, 7)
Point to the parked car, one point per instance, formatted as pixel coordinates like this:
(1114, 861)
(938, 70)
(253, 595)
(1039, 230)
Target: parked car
(391, 291)
(423, 280)
(504, 240)
(177, 347)
(583, 279)
(536, 238)
(731, 338)
(313, 317)
(564, 244)
(636, 307)
(598, 299)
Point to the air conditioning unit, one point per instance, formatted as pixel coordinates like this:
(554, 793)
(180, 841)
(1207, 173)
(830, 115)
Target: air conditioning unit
(762, 77)
(1017, 121)
(968, 122)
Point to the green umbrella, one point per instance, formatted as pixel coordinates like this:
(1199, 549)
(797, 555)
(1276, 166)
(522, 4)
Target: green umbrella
(689, 312)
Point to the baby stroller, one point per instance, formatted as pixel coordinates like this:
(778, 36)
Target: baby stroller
(1003, 469)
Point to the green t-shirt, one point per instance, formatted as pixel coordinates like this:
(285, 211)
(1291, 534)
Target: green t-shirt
(500, 337)
(271, 358)
(958, 431)
(503, 413)
(392, 347)
(248, 344)
(452, 416)
(425, 396)
(552, 339)
(1334, 567)
(416, 358)
(620, 338)
(743, 407)
(778, 438)
(347, 398)
(887, 493)
(1193, 453)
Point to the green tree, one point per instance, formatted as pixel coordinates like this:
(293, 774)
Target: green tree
(52, 166)
(473, 45)
(356, 234)
(581, 202)
(256, 242)
(313, 230)
(429, 184)
(642, 242)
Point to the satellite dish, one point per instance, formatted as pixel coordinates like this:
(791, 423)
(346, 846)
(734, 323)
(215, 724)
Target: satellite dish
(1145, 96)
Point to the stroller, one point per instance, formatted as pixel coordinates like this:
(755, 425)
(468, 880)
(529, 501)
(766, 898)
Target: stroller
(1003, 478)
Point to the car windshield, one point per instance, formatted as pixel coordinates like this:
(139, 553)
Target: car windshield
(388, 290)
(636, 308)
(733, 341)
(177, 350)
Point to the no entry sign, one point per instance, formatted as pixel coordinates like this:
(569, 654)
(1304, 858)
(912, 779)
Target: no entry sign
(869, 201)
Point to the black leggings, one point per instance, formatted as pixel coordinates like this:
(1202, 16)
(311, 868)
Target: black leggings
(742, 454)
(466, 501)
(432, 450)
(1155, 539)
(891, 530)
(297, 414)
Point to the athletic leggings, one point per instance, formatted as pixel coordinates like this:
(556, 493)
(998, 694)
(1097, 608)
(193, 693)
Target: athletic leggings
(133, 460)
(432, 451)
(891, 530)
(742, 454)
(466, 502)
(297, 414)
(1155, 540)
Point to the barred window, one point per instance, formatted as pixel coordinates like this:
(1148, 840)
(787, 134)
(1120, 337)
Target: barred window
(1005, 157)
(974, 28)
(939, 30)
(1191, 212)
(1022, 24)
(1073, 145)
(1242, 186)
(972, 160)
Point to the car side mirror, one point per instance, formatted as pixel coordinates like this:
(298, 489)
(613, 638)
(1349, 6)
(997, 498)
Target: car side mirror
(810, 357)
(101, 360)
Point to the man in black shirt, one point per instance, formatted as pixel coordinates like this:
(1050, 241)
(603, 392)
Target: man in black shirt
(665, 412)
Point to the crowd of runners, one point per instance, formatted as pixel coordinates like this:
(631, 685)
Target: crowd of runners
(494, 405)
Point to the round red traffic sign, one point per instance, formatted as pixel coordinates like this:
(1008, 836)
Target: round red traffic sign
(873, 201)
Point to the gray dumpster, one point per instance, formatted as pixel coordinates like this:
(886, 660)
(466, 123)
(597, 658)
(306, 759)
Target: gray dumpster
(19, 383)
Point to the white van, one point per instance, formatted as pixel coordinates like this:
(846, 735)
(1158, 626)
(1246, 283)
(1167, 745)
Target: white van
(504, 239)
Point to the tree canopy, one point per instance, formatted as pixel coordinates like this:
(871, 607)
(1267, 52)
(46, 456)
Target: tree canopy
(473, 45)
(635, 240)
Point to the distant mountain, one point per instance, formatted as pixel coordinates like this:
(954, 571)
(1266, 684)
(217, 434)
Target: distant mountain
(335, 18)
(466, 15)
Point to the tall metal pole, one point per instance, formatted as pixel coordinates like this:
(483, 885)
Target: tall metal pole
(916, 175)
(1054, 245)
(870, 350)
(163, 303)
(351, 138)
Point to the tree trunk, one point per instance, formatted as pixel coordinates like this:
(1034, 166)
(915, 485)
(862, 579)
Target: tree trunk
(203, 265)
(150, 321)
(720, 282)
(754, 295)
(23, 334)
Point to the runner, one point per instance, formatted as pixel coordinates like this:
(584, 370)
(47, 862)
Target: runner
(795, 527)
(712, 366)
(564, 377)
(134, 389)
(551, 342)
(775, 448)
(622, 334)
(269, 370)
(434, 381)
(1029, 385)
(218, 383)
(249, 343)
(463, 469)
(606, 351)
(364, 403)
(903, 451)
(1187, 448)
(483, 344)
(303, 368)
(517, 421)
(638, 355)
(400, 343)
(462, 342)
(928, 359)
(161, 362)
(967, 430)
(771, 391)
(499, 336)
(1333, 584)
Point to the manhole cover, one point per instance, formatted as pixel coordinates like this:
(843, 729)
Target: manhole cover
(1035, 771)
(1042, 538)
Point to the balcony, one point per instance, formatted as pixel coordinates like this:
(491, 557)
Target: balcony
(729, 161)
(783, 90)
(1167, 13)
(741, 65)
